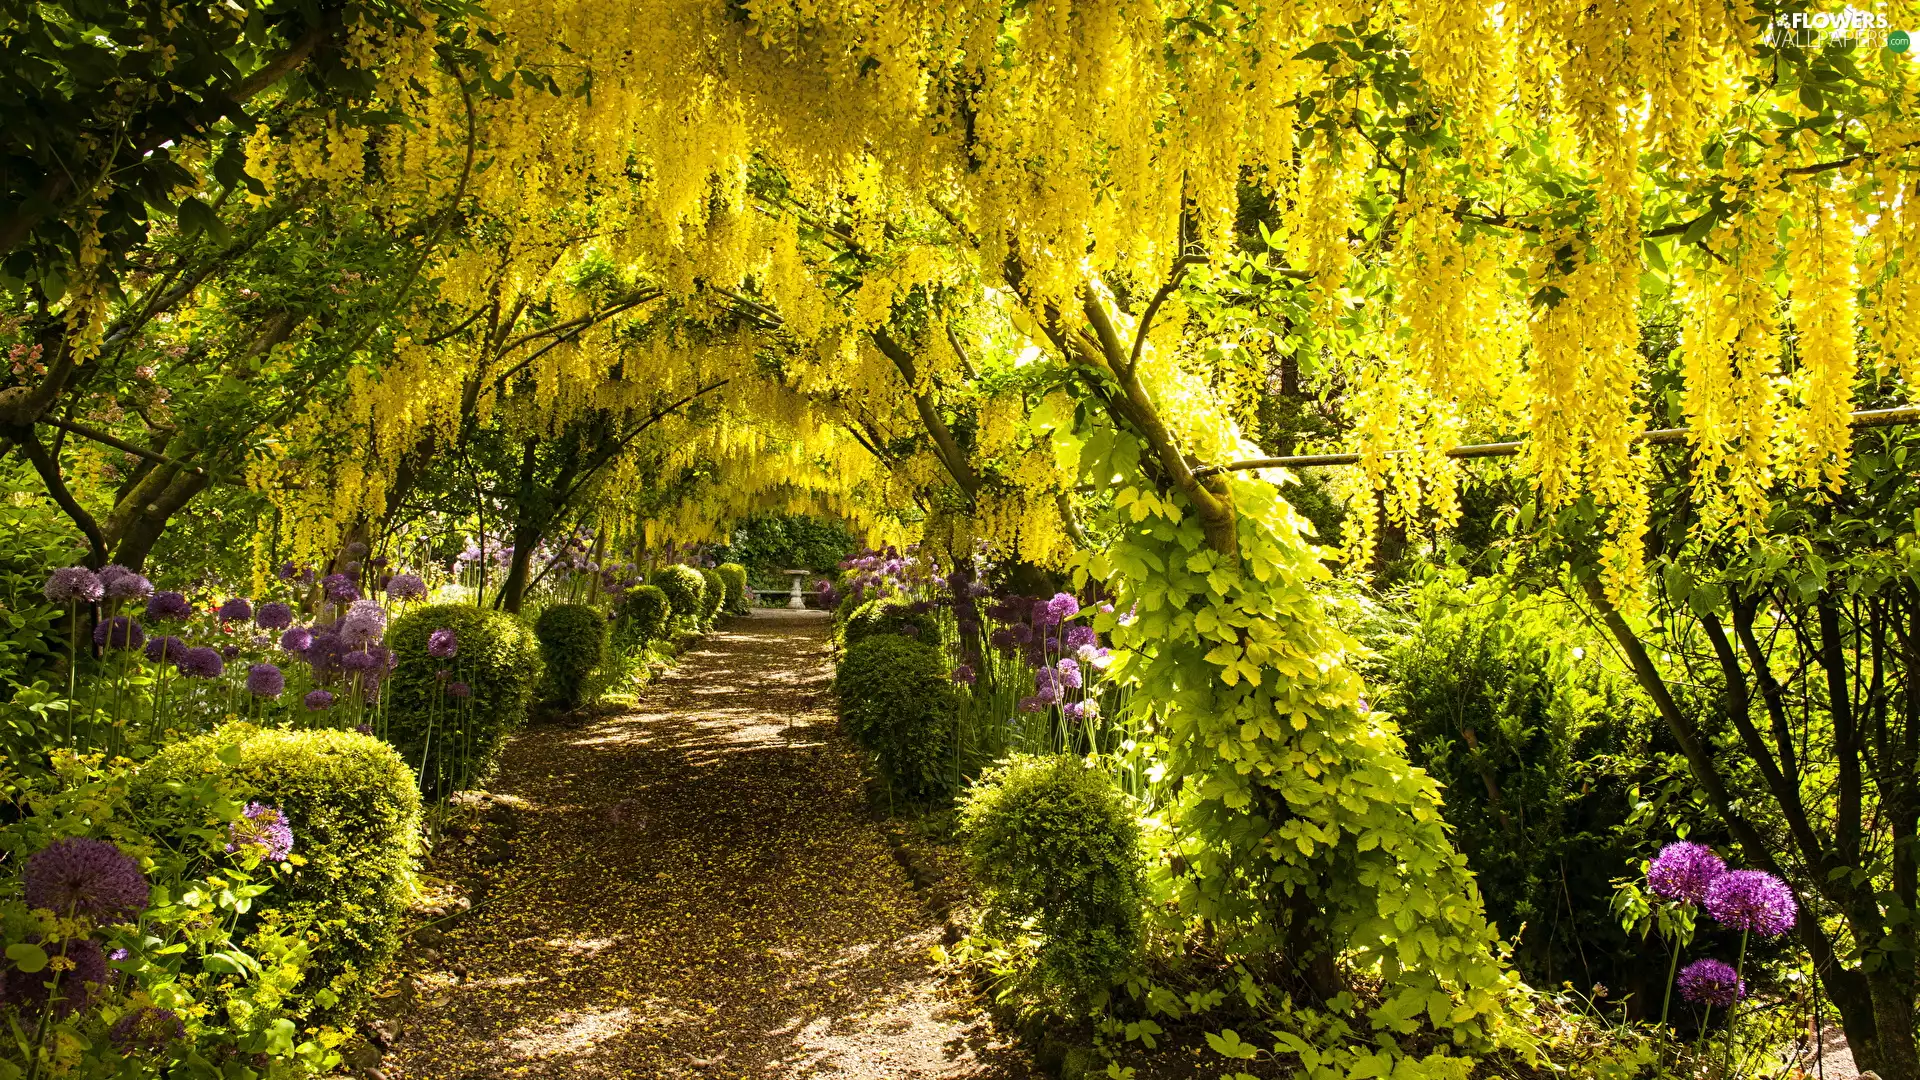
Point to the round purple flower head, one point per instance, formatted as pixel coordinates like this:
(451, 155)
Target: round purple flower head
(1077, 635)
(120, 583)
(296, 639)
(1751, 900)
(76, 875)
(363, 729)
(119, 632)
(201, 663)
(442, 644)
(1710, 982)
(357, 662)
(146, 1028)
(78, 986)
(228, 650)
(458, 689)
(168, 607)
(964, 674)
(73, 585)
(287, 571)
(273, 615)
(356, 550)
(263, 827)
(406, 587)
(1062, 607)
(365, 621)
(238, 609)
(265, 680)
(164, 647)
(316, 700)
(1683, 870)
(339, 588)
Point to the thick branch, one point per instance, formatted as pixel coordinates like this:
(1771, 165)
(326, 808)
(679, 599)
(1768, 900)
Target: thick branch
(944, 444)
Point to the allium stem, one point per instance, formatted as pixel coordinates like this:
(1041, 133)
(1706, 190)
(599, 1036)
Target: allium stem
(1672, 966)
(1733, 1010)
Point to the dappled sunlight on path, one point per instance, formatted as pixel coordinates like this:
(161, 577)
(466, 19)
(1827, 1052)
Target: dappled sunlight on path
(694, 888)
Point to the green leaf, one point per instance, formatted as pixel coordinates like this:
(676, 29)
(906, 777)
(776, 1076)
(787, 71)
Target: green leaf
(1228, 1043)
(28, 957)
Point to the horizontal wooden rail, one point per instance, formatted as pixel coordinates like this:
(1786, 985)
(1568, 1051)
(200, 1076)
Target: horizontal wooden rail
(1871, 418)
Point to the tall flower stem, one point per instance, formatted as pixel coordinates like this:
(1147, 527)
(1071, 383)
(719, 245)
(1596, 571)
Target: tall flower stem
(1733, 1010)
(1673, 966)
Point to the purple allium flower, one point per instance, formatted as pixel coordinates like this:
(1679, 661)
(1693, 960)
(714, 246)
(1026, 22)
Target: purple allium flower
(1751, 900)
(1077, 635)
(339, 588)
(76, 875)
(120, 583)
(1069, 670)
(964, 675)
(288, 571)
(164, 647)
(316, 700)
(1683, 870)
(363, 729)
(1033, 703)
(238, 609)
(356, 550)
(1021, 633)
(119, 632)
(406, 587)
(458, 689)
(265, 680)
(1001, 638)
(273, 615)
(442, 643)
(228, 650)
(78, 986)
(146, 1028)
(73, 585)
(201, 663)
(118, 955)
(296, 639)
(378, 561)
(358, 662)
(1074, 709)
(264, 827)
(1710, 982)
(365, 621)
(168, 607)
(1062, 607)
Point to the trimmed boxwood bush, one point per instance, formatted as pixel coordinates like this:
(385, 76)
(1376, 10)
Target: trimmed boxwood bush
(890, 615)
(573, 641)
(686, 590)
(498, 660)
(644, 611)
(1056, 845)
(735, 577)
(354, 808)
(896, 701)
(714, 598)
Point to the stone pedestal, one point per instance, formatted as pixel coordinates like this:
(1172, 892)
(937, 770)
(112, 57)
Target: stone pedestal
(797, 599)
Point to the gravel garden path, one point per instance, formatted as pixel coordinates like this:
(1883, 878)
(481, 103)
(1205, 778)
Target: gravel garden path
(691, 888)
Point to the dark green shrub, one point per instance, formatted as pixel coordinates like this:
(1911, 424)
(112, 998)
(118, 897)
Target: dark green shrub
(897, 701)
(496, 658)
(714, 599)
(890, 615)
(573, 642)
(644, 611)
(1056, 845)
(354, 808)
(735, 577)
(686, 591)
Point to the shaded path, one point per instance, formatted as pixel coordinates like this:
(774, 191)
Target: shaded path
(692, 889)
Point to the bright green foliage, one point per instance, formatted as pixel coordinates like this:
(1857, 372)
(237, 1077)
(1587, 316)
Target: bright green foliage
(889, 615)
(1539, 748)
(714, 598)
(497, 658)
(1056, 845)
(686, 590)
(768, 544)
(1306, 833)
(896, 701)
(735, 577)
(34, 539)
(573, 641)
(644, 611)
(354, 808)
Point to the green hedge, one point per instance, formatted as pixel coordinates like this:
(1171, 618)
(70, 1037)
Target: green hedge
(897, 701)
(644, 611)
(735, 577)
(1056, 846)
(354, 807)
(889, 615)
(573, 642)
(714, 599)
(499, 661)
(686, 591)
